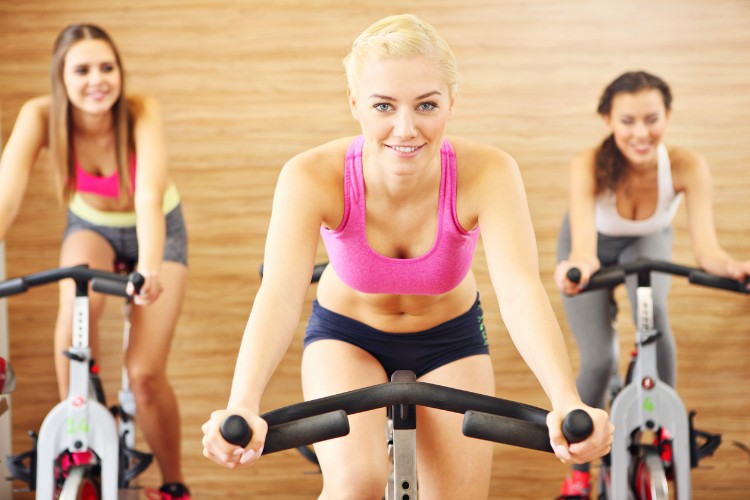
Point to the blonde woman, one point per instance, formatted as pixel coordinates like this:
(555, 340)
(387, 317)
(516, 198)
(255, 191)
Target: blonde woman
(109, 153)
(399, 209)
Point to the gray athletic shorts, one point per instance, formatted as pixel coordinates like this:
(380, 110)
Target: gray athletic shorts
(124, 240)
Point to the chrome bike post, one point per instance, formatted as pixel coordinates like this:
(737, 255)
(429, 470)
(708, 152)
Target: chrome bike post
(404, 444)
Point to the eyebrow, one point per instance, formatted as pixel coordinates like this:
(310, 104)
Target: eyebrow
(423, 96)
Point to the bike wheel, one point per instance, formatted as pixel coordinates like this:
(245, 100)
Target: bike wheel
(650, 480)
(79, 485)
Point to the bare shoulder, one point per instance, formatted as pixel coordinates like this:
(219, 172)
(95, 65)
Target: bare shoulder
(37, 107)
(688, 166)
(584, 162)
(477, 161)
(141, 106)
(323, 162)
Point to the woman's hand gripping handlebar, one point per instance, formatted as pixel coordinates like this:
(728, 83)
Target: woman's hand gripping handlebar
(301, 424)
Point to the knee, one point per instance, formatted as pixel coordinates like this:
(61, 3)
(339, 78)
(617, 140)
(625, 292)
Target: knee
(147, 384)
(360, 486)
(598, 365)
(353, 482)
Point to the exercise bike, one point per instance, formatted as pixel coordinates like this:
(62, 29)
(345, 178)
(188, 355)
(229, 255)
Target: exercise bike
(84, 450)
(654, 443)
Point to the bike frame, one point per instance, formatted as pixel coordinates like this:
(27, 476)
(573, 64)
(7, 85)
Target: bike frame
(646, 403)
(80, 422)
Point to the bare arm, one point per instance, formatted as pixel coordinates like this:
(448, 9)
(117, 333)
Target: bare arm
(289, 258)
(581, 200)
(512, 259)
(28, 137)
(151, 182)
(694, 178)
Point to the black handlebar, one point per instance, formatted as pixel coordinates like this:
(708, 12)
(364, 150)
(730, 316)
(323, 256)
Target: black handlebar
(609, 277)
(485, 417)
(101, 281)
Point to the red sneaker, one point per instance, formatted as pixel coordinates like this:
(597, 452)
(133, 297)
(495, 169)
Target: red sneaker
(577, 486)
(169, 491)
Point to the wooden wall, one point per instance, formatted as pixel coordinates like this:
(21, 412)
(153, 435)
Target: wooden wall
(246, 84)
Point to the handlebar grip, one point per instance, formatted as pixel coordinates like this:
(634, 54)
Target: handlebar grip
(506, 430)
(117, 287)
(306, 431)
(574, 275)
(13, 287)
(606, 278)
(705, 279)
(110, 287)
(234, 429)
(137, 280)
(577, 426)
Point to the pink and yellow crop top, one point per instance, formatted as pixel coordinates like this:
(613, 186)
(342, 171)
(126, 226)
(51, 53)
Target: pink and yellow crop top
(438, 271)
(107, 187)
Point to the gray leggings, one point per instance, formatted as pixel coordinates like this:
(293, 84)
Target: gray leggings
(591, 315)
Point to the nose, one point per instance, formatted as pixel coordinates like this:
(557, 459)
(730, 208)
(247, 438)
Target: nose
(405, 125)
(640, 129)
(95, 76)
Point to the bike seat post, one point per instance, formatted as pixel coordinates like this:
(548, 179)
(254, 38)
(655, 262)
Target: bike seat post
(404, 444)
(80, 351)
(125, 396)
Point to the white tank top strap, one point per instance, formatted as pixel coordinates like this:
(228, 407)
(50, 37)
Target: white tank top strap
(609, 221)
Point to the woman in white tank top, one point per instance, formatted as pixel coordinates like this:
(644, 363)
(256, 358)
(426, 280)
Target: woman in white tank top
(623, 196)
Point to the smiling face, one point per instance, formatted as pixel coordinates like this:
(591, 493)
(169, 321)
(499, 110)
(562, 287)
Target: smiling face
(92, 77)
(403, 106)
(638, 122)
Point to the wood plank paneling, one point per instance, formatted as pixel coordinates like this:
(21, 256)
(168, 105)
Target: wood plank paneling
(247, 84)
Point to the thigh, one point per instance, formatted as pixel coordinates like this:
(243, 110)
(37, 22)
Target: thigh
(85, 247)
(331, 367)
(450, 464)
(590, 316)
(153, 326)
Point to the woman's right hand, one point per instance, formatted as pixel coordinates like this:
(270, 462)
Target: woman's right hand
(230, 455)
(563, 282)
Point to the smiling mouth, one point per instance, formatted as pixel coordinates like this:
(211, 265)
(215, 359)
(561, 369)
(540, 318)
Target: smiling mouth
(405, 149)
(642, 148)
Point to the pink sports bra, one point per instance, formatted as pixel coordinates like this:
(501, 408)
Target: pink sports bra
(107, 187)
(438, 271)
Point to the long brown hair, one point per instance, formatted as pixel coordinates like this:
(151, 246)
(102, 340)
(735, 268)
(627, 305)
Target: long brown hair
(61, 114)
(610, 163)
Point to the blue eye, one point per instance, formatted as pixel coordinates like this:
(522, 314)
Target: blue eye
(382, 106)
(427, 106)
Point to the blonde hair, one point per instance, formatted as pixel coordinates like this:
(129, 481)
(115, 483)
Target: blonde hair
(403, 35)
(61, 116)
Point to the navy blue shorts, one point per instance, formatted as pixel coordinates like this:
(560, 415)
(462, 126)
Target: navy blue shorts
(420, 352)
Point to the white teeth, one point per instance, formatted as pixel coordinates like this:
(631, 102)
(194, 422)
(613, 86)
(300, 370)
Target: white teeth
(405, 149)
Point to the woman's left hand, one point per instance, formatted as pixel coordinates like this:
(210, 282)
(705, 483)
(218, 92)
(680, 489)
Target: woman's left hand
(150, 290)
(738, 270)
(595, 446)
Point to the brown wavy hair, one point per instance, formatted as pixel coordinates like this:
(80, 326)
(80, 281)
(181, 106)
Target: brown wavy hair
(610, 163)
(61, 114)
